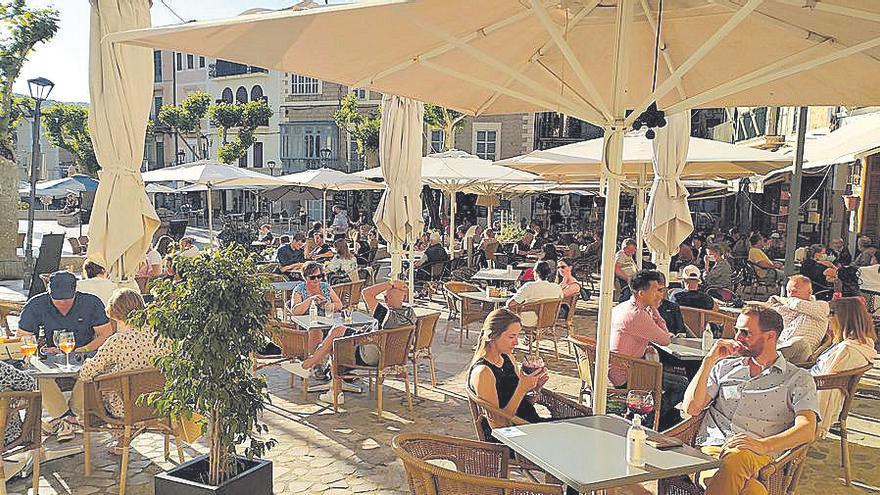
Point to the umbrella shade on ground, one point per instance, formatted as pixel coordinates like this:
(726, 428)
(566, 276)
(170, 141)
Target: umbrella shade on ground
(589, 59)
(123, 220)
(57, 188)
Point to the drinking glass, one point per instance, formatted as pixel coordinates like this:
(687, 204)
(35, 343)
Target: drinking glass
(346, 316)
(67, 343)
(640, 402)
(28, 348)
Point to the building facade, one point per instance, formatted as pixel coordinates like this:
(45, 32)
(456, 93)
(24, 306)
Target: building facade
(54, 162)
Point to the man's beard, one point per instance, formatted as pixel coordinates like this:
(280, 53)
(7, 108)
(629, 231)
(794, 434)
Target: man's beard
(752, 351)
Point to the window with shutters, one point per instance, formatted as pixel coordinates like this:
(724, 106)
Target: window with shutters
(304, 85)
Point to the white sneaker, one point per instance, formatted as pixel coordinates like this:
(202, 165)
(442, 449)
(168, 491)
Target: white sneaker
(297, 369)
(328, 397)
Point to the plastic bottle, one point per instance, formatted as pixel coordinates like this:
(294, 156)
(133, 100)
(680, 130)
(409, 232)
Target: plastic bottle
(635, 443)
(651, 354)
(313, 313)
(708, 338)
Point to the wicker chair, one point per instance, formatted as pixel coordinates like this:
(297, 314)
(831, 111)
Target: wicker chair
(847, 383)
(434, 284)
(7, 309)
(423, 337)
(275, 297)
(547, 311)
(567, 323)
(394, 348)
(349, 293)
(480, 468)
(31, 437)
(641, 374)
(826, 342)
(467, 310)
(780, 477)
(139, 418)
(695, 321)
(294, 344)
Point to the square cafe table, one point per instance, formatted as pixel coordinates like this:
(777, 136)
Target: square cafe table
(497, 275)
(483, 297)
(683, 353)
(568, 450)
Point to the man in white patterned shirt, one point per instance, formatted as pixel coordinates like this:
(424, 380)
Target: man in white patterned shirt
(806, 319)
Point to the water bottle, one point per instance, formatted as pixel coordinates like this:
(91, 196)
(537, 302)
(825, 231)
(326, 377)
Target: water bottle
(313, 313)
(651, 354)
(635, 443)
(708, 338)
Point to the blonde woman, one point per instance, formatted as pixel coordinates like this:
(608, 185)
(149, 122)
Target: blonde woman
(854, 336)
(495, 377)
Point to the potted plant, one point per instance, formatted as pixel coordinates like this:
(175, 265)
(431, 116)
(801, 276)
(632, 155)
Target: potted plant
(214, 318)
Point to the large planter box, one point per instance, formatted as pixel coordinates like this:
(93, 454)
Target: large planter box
(256, 479)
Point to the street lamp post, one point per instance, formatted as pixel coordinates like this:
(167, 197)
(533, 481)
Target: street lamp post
(39, 89)
(272, 165)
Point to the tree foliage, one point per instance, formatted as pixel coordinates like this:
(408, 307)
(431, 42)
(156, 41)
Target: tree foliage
(444, 119)
(362, 126)
(245, 117)
(186, 118)
(66, 126)
(22, 28)
(214, 319)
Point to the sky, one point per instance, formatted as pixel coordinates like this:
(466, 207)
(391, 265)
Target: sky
(65, 59)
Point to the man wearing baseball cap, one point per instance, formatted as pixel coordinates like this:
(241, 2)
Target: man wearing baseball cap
(62, 308)
(691, 296)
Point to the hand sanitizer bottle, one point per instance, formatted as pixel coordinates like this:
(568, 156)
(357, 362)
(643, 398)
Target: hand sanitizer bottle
(313, 313)
(708, 338)
(635, 443)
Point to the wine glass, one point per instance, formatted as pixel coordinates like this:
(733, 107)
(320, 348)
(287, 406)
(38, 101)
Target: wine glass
(66, 342)
(639, 402)
(28, 348)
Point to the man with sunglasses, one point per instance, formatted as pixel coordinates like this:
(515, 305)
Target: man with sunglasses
(757, 404)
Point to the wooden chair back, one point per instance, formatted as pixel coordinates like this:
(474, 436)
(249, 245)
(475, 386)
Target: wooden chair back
(571, 303)
(695, 320)
(75, 247)
(131, 386)
(349, 293)
(454, 287)
(827, 341)
(293, 340)
(393, 344)
(546, 310)
(29, 403)
(847, 382)
(426, 327)
(481, 468)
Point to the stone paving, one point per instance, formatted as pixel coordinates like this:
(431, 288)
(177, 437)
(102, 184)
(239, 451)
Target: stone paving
(320, 452)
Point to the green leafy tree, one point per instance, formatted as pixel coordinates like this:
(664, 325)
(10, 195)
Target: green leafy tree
(362, 126)
(214, 319)
(245, 117)
(67, 126)
(444, 119)
(185, 119)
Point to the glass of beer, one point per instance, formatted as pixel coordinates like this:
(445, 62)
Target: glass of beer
(28, 348)
(67, 343)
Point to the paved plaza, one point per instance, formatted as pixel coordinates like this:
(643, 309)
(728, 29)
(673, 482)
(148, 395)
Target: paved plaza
(349, 452)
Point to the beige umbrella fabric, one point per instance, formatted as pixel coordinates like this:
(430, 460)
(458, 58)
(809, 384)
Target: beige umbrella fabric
(120, 85)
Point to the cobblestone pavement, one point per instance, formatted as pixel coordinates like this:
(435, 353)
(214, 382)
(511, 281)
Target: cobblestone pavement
(349, 452)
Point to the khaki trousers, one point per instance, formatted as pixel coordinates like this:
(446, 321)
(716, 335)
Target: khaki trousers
(737, 474)
(55, 403)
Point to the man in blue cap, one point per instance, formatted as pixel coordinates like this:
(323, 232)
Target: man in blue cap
(62, 308)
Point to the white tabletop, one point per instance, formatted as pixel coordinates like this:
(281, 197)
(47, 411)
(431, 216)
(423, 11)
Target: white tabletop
(481, 296)
(567, 450)
(358, 319)
(53, 367)
(287, 286)
(730, 309)
(497, 274)
(686, 349)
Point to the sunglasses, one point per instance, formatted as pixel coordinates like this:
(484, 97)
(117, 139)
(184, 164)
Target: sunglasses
(319, 276)
(562, 267)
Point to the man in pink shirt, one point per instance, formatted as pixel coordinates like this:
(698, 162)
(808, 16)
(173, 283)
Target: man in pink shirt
(634, 324)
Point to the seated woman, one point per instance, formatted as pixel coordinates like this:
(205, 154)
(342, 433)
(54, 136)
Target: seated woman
(818, 270)
(344, 264)
(314, 290)
(570, 285)
(854, 348)
(128, 349)
(495, 377)
(14, 380)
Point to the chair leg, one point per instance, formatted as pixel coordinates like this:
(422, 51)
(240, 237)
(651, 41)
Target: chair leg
(379, 380)
(334, 389)
(406, 389)
(461, 328)
(123, 467)
(305, 391)
(38, 452)
(87, 445)
(844, 454)
(415, 366)
(433, 374)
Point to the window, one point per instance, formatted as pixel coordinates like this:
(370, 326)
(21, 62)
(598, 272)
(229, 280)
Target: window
(241, 95)
(201, 62)
(190, 61)
(178, 57)
(437, 145)
(312, 143)
(157, 66)
(486, 140)
(157, 106)
(302, 85)
(226, 96)
(160, 154)
(258, 154)
(360, 92)
(242, 162)
(285, 145)
(256, 93)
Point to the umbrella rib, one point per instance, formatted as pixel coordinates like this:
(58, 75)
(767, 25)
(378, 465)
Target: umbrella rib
(836, 9)
(679, 86)
(735, 20)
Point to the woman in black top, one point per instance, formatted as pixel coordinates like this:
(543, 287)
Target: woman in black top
(495, 377)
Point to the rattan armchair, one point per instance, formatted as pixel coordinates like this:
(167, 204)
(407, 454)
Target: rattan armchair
(350, 293)
(138, 418)
(423, 337)
(547, 311)
(480, 468)
(31, 438)
(847, 383)
(394, 348)
(641, 374)
(567, 323)
(780, 477)
(695, 320)
(467, 310)
(827, 341)
(294, 344)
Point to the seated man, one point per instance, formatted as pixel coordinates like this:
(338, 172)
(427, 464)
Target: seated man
(96, 282)
(289, 255)
(625, 266)
(691, 296)
(635, 323)
(63, 308)
(524, 246)
(764, 267)
(538, 289)
(266, 237)
(435, 253)
(319, 249)
(805, 319)
(188, 248)
(759, 404)
(389, 315)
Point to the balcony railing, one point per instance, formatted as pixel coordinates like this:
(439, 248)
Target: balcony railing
(293, 165)
(223, 68)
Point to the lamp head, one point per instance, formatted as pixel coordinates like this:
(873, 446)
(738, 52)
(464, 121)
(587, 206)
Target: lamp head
(40, 88)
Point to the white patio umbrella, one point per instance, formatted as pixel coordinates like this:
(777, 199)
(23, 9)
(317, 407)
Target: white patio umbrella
(668, 221)
(213, 175)
(122, 221)
(328, 179)
(508, 56)
(399, 215)
(159, 188)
